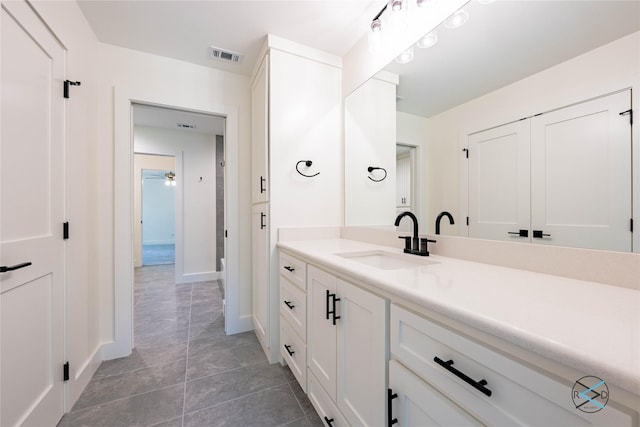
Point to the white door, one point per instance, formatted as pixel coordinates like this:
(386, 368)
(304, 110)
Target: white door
(361, 355)
(260, 134)
(260, 272)
(581, 175)
(499, 162)
(322, 330)
(32, 212)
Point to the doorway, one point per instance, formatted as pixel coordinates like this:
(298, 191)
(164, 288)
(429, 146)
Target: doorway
(406, 182)
(158, 222)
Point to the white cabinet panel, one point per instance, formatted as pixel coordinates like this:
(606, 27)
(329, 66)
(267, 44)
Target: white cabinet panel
(417, 404)
(294, 352)
(260, 133)
(324, 405)
(293, 270)
(293, 307)
(260, 272)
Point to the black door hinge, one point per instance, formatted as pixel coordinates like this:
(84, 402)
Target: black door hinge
(631, 225)
(466, 152)
(467, 220)
(65, 372)
(68, 83)
(630, 113)
(226, 234)
(65, 230)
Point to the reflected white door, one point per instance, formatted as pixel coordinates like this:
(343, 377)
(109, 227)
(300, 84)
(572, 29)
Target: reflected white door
(581, 175)
(499, 182)
(32, 209)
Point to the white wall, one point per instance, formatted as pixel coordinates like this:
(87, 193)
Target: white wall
(607, 69)
(126, 76)
(370, 133)
(196, 227)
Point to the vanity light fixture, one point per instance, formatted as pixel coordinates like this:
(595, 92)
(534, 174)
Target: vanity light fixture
(428, 40)
(457, 20)
(170, 179)
(405, 57)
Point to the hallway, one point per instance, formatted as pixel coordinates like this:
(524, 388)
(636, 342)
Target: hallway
(185, 371)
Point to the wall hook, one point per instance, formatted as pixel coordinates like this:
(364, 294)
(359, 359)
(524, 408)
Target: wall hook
(372, 168)
(307, 163)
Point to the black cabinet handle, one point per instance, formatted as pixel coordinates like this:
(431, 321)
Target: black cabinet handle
(521, 233)
(333, 311)
(262, 218)
(288, 304)
(448, 365)
(288, 348)
(291, 269)
(329, 421)
(5, 268)
(390, 396)
(262, 188)
(538, 234)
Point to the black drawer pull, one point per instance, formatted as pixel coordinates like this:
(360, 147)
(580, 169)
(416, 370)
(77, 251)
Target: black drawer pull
(390, 396)
(288, 348)
(521, 233)
(5, 268)
(538, 234)
(288, 304)
(288, 268)
(333, 312)
(329, 421)
(448, 365)
(262, 188)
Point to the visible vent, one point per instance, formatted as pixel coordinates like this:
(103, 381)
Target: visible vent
(186, 125)
(225, 55)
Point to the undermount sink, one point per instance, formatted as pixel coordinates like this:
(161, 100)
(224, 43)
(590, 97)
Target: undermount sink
(387, 260)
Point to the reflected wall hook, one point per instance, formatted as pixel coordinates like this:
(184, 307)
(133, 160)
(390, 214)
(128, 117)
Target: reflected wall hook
(372, 168)
(307, 163)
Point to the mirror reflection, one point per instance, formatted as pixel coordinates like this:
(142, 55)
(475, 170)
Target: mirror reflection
(516, 123)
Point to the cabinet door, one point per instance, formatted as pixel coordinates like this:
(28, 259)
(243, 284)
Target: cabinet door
(499, 164)
(260, 133)
(321, 333)
(260, 272)
(362, 355)
(403, 182)
(581, 175)
(417, 404)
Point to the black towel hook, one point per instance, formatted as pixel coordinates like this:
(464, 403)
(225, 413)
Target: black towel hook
(372, 168)
(307, 163)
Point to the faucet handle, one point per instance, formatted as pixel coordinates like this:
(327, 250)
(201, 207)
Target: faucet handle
(423, 246)
(407, 242)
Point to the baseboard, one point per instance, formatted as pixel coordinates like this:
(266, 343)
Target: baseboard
(81, 378)
(240, 325)
(200, 277)
(114, 350)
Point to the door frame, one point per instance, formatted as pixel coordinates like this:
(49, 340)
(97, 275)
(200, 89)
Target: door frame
(124, 97)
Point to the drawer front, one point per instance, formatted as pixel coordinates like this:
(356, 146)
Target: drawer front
(418, 404)
(294, 352)
(293, 307)
(519, 394)
(326, 409)
(294, 270)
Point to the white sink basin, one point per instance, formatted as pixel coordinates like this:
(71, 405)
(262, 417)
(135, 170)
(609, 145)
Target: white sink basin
(387, 260)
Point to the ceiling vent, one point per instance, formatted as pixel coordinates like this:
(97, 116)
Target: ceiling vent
(186, 126)
(225, 55)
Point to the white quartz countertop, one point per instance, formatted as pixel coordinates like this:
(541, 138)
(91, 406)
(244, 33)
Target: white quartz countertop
(588, 326)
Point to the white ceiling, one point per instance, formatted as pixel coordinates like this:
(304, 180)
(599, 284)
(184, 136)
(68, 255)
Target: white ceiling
(504, 42)
(184, 30)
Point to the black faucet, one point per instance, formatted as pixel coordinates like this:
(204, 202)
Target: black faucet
(443, 213)
(419, 246)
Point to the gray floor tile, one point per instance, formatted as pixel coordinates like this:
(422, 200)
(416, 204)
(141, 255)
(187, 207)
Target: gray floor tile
(271, 407)
(112, 387)
(206, 364)
(143, 357)
(176, 422)
(303, 400)
(222, 342)
(215, 389)
(300, 422)
(141, 410)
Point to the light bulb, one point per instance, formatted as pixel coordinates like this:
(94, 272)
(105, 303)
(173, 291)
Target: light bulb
(173, 183)
(405, 57)
(396, 15)
(375, 36)
(167, 183)
(428, 40)
(457, 20)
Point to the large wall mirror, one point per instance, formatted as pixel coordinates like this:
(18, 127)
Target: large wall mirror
(517, 123)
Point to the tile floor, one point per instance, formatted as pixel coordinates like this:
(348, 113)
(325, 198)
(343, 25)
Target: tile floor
(158, 254)
(185, 371)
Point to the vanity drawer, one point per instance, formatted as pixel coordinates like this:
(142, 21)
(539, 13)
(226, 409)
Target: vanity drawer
(294, 270)
(294, 352)
(293, 307)
(326, 409)
(518, 393)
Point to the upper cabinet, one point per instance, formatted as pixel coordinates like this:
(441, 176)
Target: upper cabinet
(260, 133)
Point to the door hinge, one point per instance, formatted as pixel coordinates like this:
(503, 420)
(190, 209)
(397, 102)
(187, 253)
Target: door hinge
(631, 225)
(630, 113)
(65, 230)
(65, 372)
(466, 152)
(467, 220)
(226, 234)
(68, 83)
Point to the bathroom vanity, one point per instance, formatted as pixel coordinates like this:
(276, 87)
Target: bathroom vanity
(377, 337)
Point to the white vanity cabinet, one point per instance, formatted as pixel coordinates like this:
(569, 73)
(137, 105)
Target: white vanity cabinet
(431, 362)
(296, 118)
(293, 316)
(346, 350)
